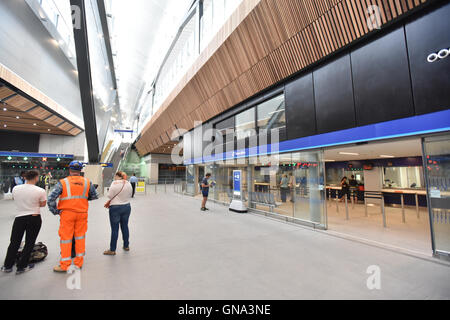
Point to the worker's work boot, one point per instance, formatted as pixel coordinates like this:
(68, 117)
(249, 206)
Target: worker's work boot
(58, 269)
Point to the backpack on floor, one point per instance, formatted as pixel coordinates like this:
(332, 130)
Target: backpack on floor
(39, 253)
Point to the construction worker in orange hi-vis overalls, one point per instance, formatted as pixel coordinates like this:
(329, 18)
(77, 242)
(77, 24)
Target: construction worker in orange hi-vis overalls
(74, 194)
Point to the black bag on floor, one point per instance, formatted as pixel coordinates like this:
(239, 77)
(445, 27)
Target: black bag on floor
(39, 253)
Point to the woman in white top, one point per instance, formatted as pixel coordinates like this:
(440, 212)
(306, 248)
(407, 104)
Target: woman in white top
(29, 199)
(119, 194)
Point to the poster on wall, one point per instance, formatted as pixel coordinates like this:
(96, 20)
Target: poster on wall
(140, 188)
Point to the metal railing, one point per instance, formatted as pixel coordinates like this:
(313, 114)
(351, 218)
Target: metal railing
(374, 195)
(173, 186)
(377, 196)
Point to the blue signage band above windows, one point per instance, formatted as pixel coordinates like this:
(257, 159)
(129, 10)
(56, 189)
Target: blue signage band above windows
(423, 124)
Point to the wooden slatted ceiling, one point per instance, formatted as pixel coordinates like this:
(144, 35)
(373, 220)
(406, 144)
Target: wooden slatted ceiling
(75, 131)
(25, 122)
(275, 40)
(21, 103)
(54, 120)
(23, 115)
(15, 81)
(5, 92)
(40, 113)
(66, 127)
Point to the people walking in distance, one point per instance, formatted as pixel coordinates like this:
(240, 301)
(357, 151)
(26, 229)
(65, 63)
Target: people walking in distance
(120, 194)
(134, 181)
(205, 191)
(74, 194)
(29, 199)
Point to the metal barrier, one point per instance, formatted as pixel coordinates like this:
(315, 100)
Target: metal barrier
(402, 202)
(417, 206)
(347, 217)
(378, 196)
(337, 202)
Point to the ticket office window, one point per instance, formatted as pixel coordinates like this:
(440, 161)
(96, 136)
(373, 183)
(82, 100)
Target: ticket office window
(403, 177)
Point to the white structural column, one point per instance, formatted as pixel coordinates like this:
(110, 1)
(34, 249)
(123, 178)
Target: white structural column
(95, 174)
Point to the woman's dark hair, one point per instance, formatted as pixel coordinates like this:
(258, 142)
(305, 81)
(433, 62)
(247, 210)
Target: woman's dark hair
(344, 178)
(30, 175)
(208, 175)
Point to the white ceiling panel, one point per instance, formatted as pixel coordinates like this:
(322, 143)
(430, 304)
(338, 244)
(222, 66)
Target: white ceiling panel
(141, 31)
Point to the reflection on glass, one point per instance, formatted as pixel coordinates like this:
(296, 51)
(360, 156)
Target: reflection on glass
(291, 185)
(51, 11)
(60, 15)
(437, 151)
(334, 176)
(271, 114)
(403, 177)
(181, 57)
(270, 189)
(222, 175)
(308, 187)
(215, 13)
(226, 130)
(245, 124)
(190, 180)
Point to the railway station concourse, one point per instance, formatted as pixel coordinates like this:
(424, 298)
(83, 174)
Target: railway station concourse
(318, 131)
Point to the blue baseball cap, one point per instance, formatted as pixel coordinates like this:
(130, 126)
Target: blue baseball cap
(76, 166)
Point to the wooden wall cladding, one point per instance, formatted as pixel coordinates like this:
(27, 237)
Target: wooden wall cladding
(275, 40)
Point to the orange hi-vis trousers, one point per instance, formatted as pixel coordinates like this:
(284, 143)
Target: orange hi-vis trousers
(73, 224)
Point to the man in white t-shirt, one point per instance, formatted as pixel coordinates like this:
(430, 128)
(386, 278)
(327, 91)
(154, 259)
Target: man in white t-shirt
(29, 199)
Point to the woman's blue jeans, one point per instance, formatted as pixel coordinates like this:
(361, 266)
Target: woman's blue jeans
(119, 216)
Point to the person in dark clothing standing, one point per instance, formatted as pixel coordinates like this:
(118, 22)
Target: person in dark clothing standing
(345, 192)
(353, 187)
(205, 191)
(134, 180)
(29, 199)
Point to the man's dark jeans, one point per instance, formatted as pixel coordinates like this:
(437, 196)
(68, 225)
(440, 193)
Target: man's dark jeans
(119, 216)
(29, 225)
(133, 185)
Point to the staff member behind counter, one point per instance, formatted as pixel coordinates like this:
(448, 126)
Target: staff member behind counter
(345, 189)
(353, 187)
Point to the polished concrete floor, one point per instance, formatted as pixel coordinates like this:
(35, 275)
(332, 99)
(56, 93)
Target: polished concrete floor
(178, 252)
